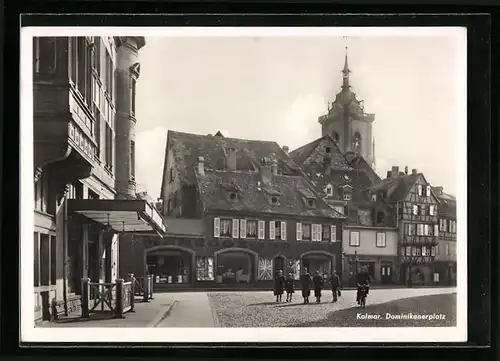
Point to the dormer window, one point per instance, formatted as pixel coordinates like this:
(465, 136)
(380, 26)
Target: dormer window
(374, 197)
(274, 200)
(327, 149)
(232, 196)
(329, 190)
(380, 217)
(347, 196)
(311, 202)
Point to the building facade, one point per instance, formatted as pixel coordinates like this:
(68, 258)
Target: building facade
(255, 211)
(75, 163)
(416, 208)
(446, 252)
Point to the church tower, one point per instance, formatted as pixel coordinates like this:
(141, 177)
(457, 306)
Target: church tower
(347, 123)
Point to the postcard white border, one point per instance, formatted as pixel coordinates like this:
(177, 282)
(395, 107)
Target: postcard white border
(144, 335)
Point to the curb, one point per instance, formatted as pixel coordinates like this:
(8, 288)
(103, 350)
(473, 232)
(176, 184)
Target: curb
(214, 313)
(162, 316)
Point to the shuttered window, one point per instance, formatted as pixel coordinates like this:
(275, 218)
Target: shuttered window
(272, 230)
(428, 191)
(319, 232)
(283, 231)
(243, 228)
(298, 231)
(431, 210)
(216, 227)
(333, 233)
(262, 225)
(236, 228)
(354, 239)
(436, 230)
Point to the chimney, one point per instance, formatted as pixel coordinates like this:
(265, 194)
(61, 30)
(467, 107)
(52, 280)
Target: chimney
(388, 174)
(231, 159)
(438, 190)
(286, 149)
(401, 173)
(274, 167)
(395, 171)
(201, 165)
(406, 169)
(265, 174)
(414, 171)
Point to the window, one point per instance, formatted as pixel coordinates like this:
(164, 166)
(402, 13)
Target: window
(172, 174)
(419, 189)
(431, 210)
(415, 209)
(53, 258)
(109, 74)
(433, 251)
(283, 231)
(333, 233)
(374, 197)
(408, 251)
(44, 53)
(426, 229)
(447, 249)
(445, 225)
(236, 228)
(410, 229)
(311, 202)
(436, 230)
(109, 148)
(205, 269)
(36, 259)
(329, 190)
(347, 195)
(380, 217)
(132, 95)
(306, 231)
(326, 232)
(381, 242)
(44, 259)
(251, 229)
(327, 149)
(225, 228)
(422, 210)
(428, 191)
(316, 232)
(420, 229)
(132, 160)
(97, 55)
(274, 200)
(354, 239)
(232, 196)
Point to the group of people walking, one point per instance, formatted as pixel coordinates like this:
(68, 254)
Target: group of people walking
(284, 284)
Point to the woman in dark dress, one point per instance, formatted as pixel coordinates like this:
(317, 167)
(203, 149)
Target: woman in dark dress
(318, 284)
(290, 288)
(279, 285)
(305, 284)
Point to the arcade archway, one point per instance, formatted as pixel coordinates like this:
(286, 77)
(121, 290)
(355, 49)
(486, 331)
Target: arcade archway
(235, 265)
(170, 264)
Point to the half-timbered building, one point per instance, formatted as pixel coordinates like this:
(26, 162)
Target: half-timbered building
(416, 207)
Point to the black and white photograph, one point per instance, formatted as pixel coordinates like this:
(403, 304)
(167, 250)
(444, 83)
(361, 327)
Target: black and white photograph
(238, 184)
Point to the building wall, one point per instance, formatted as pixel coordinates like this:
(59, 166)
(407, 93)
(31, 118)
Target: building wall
(368, 241)
(171, 192)
(337, 125)
(446, 251)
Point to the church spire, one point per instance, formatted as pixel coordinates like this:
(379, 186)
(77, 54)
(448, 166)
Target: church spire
(345, 73)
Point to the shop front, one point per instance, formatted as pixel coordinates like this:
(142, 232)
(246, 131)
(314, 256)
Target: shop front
(170, 265)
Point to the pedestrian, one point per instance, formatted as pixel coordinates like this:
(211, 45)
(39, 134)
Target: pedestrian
(290, 287)
(279, 285)
(335, 285)
(318, 284)
(305, 285)
(362, 280)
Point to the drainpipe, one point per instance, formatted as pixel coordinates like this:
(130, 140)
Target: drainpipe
(65, 256)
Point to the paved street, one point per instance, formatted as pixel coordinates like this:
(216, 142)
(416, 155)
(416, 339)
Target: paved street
(191, 309)
(258, 309)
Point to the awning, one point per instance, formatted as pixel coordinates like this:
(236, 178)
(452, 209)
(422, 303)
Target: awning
(130, 216)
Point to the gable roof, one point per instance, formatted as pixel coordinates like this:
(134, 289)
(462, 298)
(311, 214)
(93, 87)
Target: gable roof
(358, 162)
(187, 147)
(253, 196)
(300, 155)
(397, 187)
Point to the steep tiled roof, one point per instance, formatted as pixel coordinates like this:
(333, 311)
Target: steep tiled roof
(301, 155)
(448, 209)
(183, 226)
(252, 196)
(188, 147)
(360, 163)
(396, 187)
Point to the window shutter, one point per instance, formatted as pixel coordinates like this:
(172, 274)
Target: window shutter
(272, 230)
(436, 230)
(298, 231)
(415, 209)
(236, 228)
(283, 231)
(319, 230)
(426, 229)
(428, 191)
(419, 189)
(262, 233)
(314, 236)
(431, 210)
(216, 227)
(333, 233)
(243, 228)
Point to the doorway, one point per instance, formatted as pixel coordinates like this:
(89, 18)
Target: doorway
(279, 264)
(386, 274)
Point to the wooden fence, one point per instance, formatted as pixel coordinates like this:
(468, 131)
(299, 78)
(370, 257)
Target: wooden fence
(142, 286)
(117, 298)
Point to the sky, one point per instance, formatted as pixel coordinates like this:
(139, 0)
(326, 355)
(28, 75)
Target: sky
(275, 88)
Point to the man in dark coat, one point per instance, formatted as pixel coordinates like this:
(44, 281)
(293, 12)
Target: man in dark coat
(335, 284)
(305, 285)
(362, 280)
(279, 285)
(318, 284)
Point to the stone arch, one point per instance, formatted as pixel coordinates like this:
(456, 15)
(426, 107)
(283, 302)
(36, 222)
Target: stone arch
(254, 254)
(172, 247)
(328, 255)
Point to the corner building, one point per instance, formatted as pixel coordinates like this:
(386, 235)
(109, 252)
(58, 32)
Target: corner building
(79, 121)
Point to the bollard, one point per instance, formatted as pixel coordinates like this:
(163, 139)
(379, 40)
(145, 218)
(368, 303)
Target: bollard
(85, 297)
(119, 299)
(151, 285)
(146, 288)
